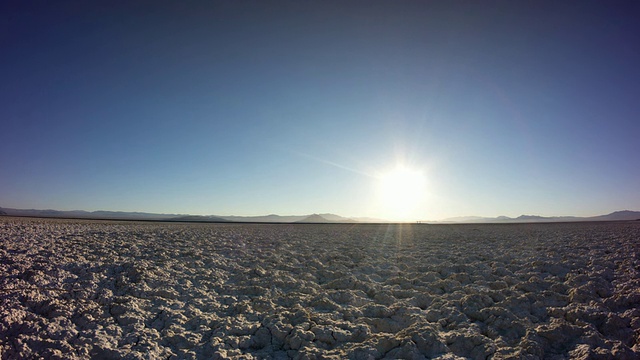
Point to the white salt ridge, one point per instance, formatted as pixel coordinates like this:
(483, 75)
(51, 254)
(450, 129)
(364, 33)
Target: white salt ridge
(108, 290)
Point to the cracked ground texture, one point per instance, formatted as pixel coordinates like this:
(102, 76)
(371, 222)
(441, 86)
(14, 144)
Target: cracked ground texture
(77, 289)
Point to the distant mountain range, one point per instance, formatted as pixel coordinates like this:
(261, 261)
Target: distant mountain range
(81, 214)
(123, 215)
(624, 215)
(325, 218)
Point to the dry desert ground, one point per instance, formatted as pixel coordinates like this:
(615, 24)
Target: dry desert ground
(78, 289)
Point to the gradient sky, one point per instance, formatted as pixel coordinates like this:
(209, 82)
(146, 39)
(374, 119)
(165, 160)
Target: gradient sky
(251, 108)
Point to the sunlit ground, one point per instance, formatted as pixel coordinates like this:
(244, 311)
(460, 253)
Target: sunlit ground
(79, 289)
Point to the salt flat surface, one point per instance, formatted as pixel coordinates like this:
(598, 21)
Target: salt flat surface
(108, 290)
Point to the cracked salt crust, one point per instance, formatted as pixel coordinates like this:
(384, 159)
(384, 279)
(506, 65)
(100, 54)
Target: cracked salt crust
(78, 289)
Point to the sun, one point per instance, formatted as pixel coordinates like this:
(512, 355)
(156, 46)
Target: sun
(401, 190)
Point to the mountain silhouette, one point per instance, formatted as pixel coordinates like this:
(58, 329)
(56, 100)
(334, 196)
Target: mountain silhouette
(314, 218)
(624, 215)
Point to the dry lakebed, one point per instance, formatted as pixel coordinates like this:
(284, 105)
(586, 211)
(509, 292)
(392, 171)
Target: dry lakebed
(78, 289)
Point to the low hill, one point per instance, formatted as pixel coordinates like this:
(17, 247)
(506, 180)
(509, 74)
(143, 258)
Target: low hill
(314, 219)
(619, 215)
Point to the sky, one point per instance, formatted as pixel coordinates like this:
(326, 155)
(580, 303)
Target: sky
(300, 107)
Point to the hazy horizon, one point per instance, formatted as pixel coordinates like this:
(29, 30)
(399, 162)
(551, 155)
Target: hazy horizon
(462, 219)
(391, 110)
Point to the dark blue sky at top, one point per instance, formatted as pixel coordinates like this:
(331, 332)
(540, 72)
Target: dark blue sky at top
(293, 107)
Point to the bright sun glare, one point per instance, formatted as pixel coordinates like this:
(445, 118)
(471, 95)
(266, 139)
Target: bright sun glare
(401, 191)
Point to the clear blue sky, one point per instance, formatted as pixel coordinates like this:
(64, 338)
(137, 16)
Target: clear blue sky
(251, 108)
